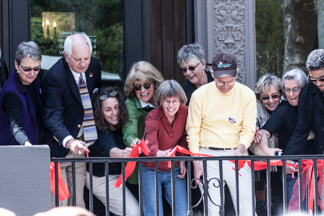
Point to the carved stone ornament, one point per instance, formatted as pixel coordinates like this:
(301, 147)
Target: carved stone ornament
(229, 33)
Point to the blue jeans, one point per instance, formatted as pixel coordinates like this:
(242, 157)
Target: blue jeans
(164, 183)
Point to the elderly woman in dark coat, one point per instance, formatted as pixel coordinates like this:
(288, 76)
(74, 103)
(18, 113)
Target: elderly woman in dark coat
(21, 113)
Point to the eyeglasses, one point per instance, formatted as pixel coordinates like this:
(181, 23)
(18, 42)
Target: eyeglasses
(145, 85)
(105, 96)
(191, 68)
(265, 98)
(167, 103)
(223, 83)
(294, 90)
(36, 69)
(311, 79)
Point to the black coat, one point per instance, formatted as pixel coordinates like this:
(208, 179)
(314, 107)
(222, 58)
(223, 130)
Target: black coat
(310, 117)
(62, 103)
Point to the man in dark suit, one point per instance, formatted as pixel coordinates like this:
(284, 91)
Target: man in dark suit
(310, 108)
(64, 109)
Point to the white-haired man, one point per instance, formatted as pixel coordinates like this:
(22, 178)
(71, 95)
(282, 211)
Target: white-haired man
(67, 88)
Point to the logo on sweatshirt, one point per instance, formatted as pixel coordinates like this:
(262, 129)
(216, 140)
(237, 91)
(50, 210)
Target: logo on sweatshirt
(232, 119)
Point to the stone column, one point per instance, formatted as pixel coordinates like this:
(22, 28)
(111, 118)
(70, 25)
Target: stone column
(228, 26)
(320, 24)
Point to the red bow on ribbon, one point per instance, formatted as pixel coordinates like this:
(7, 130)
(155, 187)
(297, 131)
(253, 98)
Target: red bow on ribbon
(130, 166)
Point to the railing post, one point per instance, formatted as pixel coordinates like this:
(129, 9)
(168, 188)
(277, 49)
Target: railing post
(268, 189)
(284, 187)
(253, 186)
(73, 185)
(156, 178)
(173, 189)
(205, 186)
(315, 184)
(140, 184)
(189, 212)
(124, 184)
(91, 186)
(56, 185)
(300, 188)
(107, 187)
(237, 189)
(221, 187)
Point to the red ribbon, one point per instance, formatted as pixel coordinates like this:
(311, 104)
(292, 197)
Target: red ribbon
(130, 166)
(62, 188)
(308, 180)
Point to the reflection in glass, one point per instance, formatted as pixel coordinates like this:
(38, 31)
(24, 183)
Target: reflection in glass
(103, 21)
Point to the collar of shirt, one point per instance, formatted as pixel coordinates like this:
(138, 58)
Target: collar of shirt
(77, 77)
(145, 104)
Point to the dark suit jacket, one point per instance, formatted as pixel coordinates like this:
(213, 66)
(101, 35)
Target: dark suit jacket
(310, 117)
(62, 103)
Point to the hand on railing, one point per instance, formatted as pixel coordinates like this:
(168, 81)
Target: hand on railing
(198, 170)
(27, 143)
(271, 151)
(240, 150)
(257, 136)
(76, 146)
(289, 169)
(183, 169)
(127, 152)
(135, 141)
(161, 153)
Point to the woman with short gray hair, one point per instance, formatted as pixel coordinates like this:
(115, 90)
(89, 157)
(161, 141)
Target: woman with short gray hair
(283, 121)
(165, 129)
(21, 112)
(191, 59)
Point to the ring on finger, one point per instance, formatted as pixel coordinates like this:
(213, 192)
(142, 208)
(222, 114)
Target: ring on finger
(79, 152)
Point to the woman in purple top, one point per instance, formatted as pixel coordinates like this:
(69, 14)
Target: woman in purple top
(21, 113)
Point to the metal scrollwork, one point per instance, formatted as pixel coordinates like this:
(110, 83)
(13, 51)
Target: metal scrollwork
(194, 185)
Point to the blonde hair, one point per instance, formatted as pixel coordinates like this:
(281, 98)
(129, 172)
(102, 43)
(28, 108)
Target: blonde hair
(264, 84)
(170, 88)
(142, 71)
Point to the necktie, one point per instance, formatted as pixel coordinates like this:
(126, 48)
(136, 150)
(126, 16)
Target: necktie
(89, 128)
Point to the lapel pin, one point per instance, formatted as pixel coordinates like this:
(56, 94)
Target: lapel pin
(90, 74)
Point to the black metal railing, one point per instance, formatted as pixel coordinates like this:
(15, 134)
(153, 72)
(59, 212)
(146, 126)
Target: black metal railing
(205, 183)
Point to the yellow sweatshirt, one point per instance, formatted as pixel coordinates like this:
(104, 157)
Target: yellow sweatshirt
(221, 120)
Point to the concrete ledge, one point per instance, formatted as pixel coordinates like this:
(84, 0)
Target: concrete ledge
(25, 179)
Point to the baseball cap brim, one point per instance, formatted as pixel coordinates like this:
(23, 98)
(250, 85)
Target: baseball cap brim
(225, 73)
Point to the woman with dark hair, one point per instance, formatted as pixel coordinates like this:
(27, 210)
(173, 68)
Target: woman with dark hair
(21, 113)
(110, 114)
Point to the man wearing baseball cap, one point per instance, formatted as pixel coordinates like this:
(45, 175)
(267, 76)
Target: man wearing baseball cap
(221, 122)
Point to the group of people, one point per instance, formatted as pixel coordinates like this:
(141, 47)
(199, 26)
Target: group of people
(210, 114)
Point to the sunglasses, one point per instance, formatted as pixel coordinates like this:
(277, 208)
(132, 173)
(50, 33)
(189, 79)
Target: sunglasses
(145, 85)
(191, 68)
(105, 96)
(36, 69)
(265, 98)
(310, 79)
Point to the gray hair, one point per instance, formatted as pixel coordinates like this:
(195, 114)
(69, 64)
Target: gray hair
(170, 88)
(265, 82)
(315, 60)
(191, 51)
(71, 39)
(28, 49)
(295, 74)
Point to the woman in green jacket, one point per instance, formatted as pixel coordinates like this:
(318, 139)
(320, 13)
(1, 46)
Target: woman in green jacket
(140, 86)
